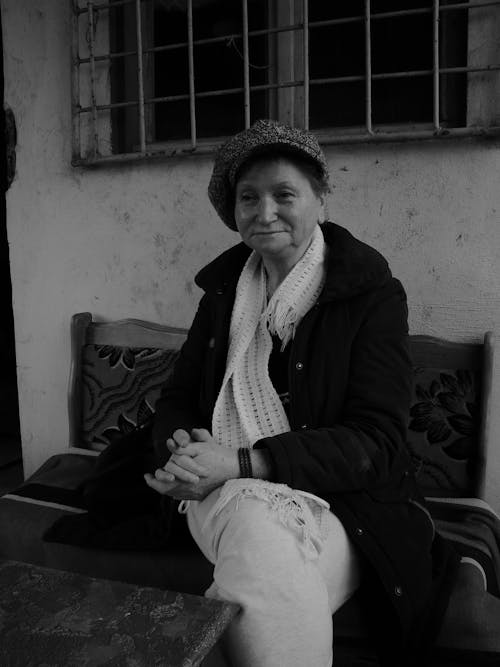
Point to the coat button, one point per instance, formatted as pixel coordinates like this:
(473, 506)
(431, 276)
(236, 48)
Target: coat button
(219, 291)
(359, 531)
(303, 426)
(398, 591)
(299, 365)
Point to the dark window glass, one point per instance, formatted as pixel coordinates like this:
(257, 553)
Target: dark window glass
(218, 66)
(398, 44)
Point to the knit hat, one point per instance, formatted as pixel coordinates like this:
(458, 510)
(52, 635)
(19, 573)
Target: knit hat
(261, 136)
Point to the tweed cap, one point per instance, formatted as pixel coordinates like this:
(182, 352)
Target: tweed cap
(262, 135)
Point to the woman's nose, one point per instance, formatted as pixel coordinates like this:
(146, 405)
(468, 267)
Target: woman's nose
(267, 210)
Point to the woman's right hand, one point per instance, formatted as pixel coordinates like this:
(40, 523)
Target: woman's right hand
(198, 465)
(196, 454)
(180, 465)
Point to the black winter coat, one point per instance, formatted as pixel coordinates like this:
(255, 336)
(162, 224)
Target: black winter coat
(350, 386)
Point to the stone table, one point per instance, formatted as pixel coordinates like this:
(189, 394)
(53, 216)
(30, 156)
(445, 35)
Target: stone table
(54, 618)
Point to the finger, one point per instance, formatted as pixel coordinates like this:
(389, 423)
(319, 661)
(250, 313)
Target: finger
(161, 487)
(181, 437)
(187, 463)
(181, 474)
(172, 445)
(201, 434)
(193, 449)
(164, 475)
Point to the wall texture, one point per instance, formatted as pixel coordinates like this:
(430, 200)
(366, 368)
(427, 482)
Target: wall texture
(126, 241)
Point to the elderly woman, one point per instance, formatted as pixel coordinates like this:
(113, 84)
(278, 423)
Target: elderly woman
(286, 415)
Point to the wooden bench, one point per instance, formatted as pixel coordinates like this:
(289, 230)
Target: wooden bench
(117, 370)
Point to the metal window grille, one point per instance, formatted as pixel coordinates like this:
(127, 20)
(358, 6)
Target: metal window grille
(92, 58)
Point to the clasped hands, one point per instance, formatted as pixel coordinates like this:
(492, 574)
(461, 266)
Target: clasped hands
(197, 466)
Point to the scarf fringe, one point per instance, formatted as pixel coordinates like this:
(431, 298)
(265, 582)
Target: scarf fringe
(281, 324)
(297, 510)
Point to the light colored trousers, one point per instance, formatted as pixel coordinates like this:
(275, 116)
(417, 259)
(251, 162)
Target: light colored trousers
(287, 597)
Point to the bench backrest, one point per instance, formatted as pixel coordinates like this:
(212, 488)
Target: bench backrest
(118, 369)
(449, 412)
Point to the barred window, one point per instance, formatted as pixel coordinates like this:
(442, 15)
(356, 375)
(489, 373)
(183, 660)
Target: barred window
(174, 77)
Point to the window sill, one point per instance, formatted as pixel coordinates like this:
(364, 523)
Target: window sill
(183, 150)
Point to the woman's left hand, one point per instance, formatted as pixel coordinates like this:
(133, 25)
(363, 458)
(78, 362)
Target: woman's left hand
(197, 466)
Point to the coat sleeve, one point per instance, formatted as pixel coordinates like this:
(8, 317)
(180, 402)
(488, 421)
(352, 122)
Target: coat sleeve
(178, 406)
(365, 444)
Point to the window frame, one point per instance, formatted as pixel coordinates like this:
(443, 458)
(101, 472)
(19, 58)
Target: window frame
(289, 91)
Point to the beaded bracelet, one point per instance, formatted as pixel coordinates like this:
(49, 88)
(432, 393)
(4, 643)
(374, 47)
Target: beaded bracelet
(245, 462)
(242, 461)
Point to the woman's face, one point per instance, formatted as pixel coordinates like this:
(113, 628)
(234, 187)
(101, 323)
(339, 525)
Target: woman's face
(276, 210)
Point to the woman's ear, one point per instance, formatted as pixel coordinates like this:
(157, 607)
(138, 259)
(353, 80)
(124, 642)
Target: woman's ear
(322, 209)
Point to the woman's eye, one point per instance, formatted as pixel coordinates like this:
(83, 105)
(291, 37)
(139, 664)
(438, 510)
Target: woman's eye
(246, 197)
(285, 195)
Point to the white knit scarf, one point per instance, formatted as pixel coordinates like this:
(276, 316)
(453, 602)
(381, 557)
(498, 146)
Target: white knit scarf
(248, 407)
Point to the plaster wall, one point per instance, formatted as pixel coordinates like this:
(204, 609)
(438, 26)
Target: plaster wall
(126, 241)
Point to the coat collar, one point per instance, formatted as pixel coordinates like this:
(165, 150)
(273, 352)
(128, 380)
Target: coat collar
(353, 267)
